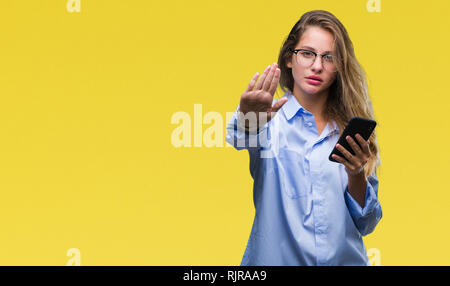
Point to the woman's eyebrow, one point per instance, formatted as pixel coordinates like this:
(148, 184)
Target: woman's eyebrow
(311, 48)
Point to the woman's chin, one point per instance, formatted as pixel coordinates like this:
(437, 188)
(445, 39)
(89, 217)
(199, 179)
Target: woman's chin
(311, 90)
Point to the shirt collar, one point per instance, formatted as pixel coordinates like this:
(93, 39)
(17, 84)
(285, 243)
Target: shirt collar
(334, 127)
(292, 107)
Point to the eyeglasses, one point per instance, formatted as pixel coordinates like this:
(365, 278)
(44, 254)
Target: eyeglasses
(306, 58)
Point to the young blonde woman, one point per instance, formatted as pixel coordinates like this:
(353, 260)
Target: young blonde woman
(308, 209)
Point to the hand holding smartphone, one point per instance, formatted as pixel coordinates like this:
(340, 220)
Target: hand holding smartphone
(362, 126)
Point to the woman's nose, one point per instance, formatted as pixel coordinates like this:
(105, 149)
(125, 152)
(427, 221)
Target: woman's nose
(317, 65)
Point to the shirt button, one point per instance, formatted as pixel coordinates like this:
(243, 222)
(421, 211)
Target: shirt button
(309, 124)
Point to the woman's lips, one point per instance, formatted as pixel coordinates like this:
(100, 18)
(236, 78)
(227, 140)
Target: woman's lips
(313, 81)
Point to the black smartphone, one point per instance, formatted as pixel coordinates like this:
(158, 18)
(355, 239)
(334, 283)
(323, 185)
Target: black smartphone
(362, 126)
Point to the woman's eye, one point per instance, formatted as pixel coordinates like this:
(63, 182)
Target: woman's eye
(307, 54)
(328, 58)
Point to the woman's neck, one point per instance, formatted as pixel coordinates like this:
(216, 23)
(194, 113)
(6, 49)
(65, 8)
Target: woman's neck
(314, 103)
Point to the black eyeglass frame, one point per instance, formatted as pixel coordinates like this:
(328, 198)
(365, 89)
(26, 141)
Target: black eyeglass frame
(315, 55)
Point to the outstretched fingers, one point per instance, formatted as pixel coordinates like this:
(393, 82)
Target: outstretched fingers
(274, 83)
(261, 80)
(268, 80)
(252, 83)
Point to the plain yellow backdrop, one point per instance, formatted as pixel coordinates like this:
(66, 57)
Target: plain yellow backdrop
(86, 101)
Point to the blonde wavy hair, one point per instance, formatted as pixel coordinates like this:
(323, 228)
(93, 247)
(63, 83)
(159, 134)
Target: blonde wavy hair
(348, 95)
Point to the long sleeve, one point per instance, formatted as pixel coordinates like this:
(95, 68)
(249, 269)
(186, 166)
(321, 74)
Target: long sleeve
(240, 139)
(367, 218)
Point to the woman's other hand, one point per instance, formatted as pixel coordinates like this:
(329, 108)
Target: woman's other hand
(259, 94)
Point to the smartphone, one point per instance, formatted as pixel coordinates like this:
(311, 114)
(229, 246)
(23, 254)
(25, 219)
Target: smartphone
(362, 126)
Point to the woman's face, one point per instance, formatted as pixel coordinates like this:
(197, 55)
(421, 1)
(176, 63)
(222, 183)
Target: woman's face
(320, 41)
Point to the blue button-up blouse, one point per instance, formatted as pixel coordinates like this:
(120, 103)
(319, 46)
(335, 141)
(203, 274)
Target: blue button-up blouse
(304, 214)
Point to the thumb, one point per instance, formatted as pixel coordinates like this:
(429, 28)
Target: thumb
(279, 104)
(276, 107)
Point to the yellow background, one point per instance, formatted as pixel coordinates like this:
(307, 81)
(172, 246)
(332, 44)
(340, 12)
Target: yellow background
(86, 101)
